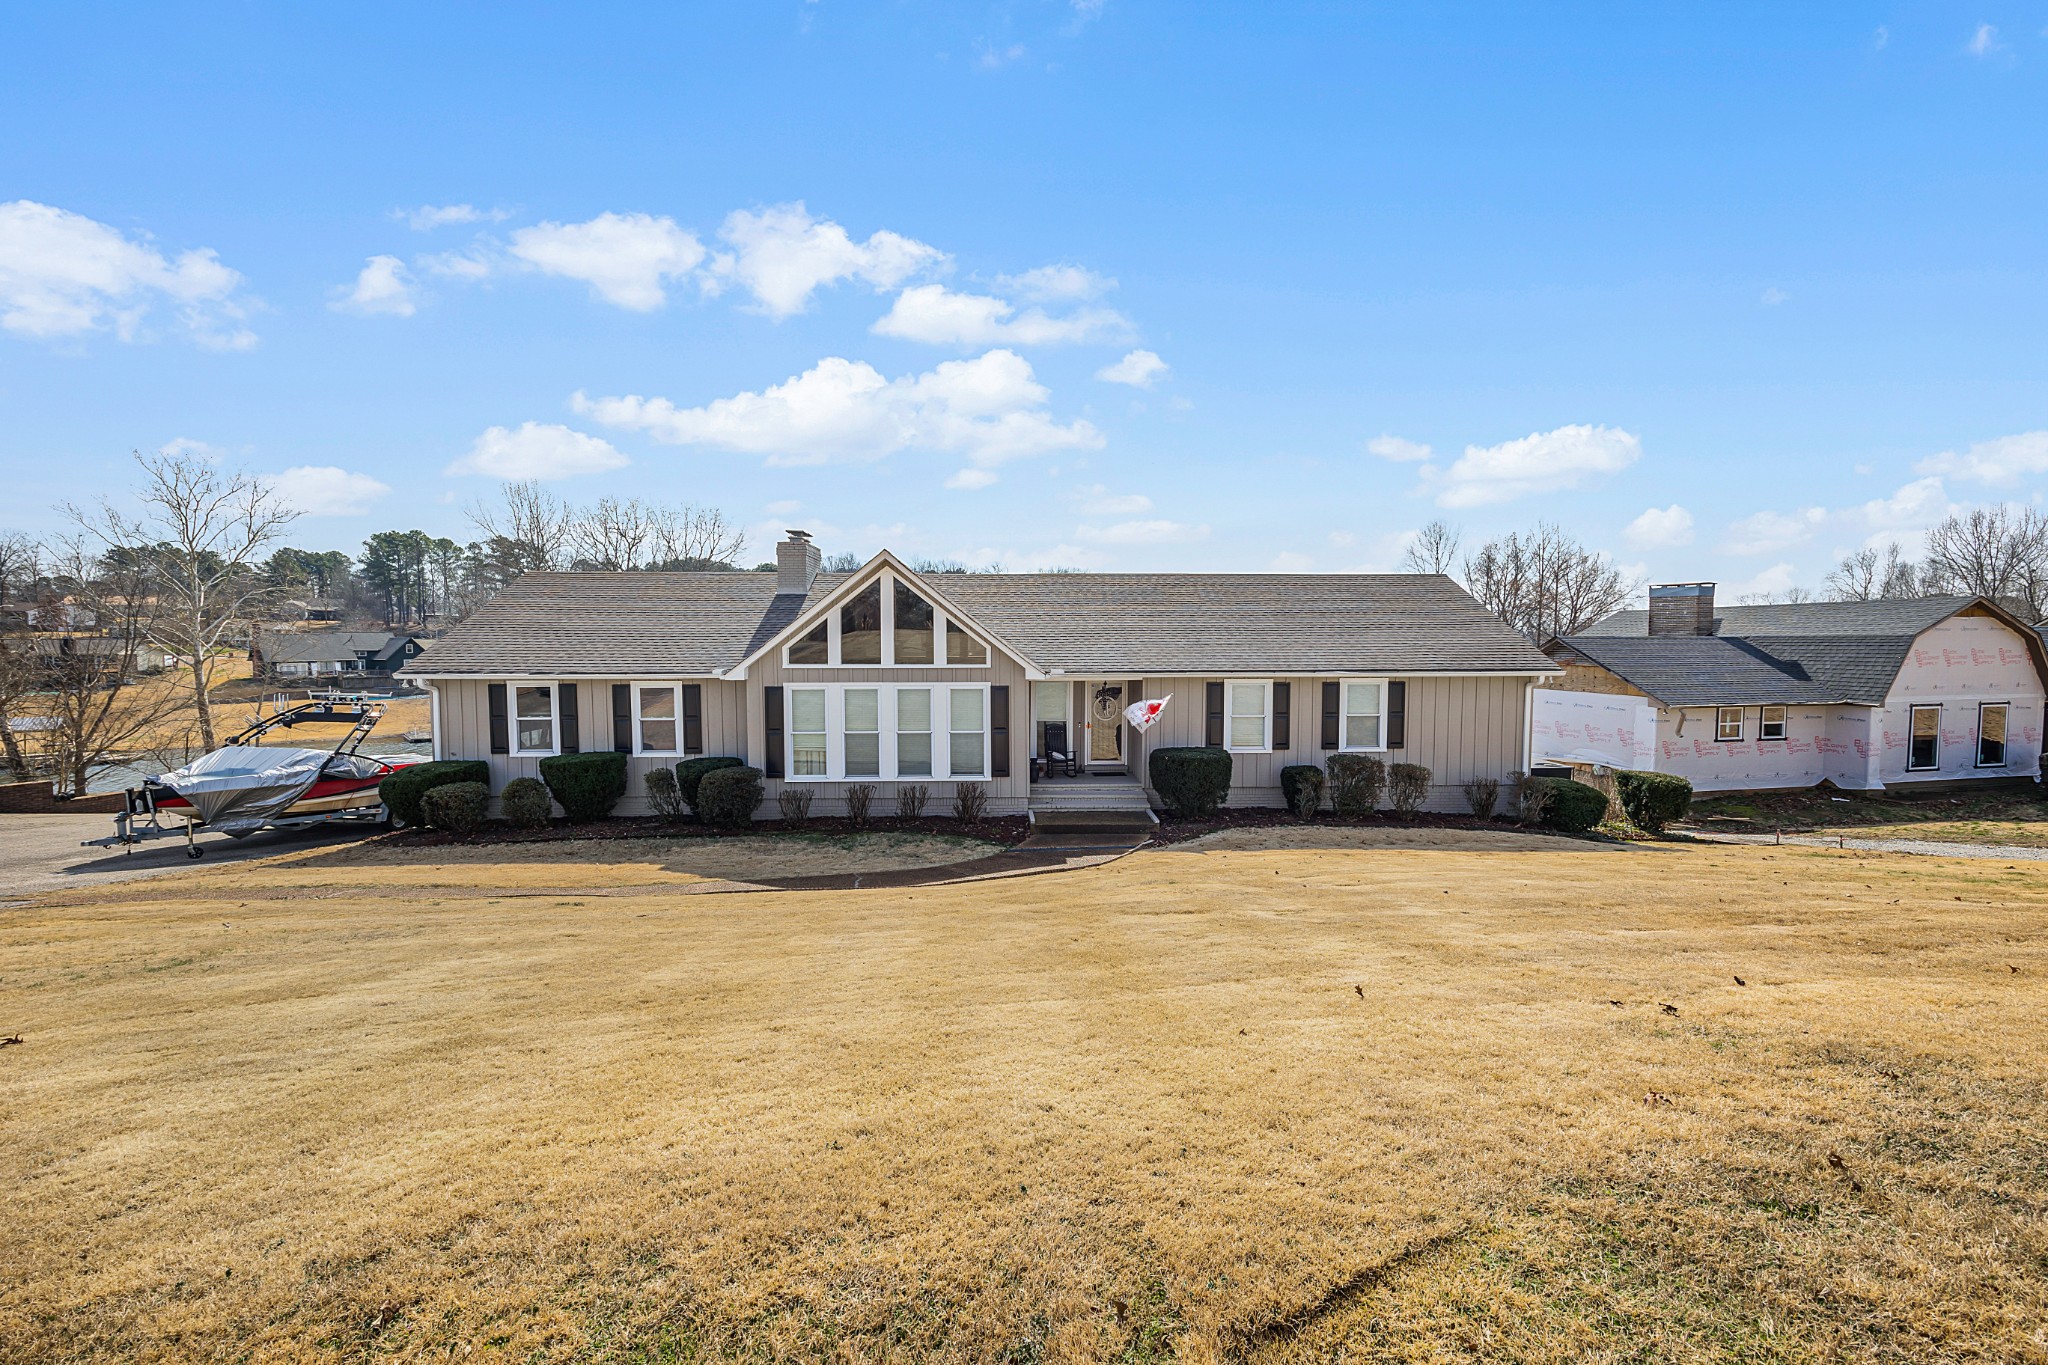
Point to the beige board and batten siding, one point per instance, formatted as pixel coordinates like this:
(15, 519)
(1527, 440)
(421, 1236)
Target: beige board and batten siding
(1459, 728)
(465, 730)
(1006, 795)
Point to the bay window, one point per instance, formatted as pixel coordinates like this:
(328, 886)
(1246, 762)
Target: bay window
(533, 710)
(655, 714)
(1247, 719)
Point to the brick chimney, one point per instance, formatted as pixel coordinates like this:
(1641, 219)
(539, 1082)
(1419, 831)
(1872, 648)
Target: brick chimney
(796, 562)
(1682, 609)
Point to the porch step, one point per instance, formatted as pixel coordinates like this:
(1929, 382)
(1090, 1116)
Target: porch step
(1054, 797)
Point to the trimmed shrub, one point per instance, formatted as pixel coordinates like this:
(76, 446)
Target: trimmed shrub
(1408, 787)
(526, 803)
(1191, 782)
(1482, 794)
(1574, 806)
(691, 771)
(586, 786)
(860, 798)
(1652, 800)
(663, 794)
(1356, 781)
(401, 792)
(1301, 785)
(795, 804)
(728, 797)
(910, 801)
(970, 802)
(456, 807)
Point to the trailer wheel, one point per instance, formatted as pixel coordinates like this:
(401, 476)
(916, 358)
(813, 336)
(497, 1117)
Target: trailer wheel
(195, 852)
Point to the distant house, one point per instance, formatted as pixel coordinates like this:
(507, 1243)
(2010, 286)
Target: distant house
(323, 653)
(311, 609)
(1019, 681)
(1865, 695)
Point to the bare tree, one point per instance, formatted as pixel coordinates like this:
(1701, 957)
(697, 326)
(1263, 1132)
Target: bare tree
(1544, 583)
(1996, 552)
(1434, 549)
(692, 537)
(197, 546)
(533, 522)
(90, 679)
(19, 570)
(1866, 576)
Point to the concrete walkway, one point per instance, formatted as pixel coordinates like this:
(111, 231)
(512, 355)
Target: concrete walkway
(1929, 847)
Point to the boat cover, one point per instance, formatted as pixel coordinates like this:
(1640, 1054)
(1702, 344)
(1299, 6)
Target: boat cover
(241, 787)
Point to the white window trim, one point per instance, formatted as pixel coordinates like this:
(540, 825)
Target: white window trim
(940, 618)
(1979, 755)
(1785, 721)
(1344, 715)
(942, 710)
(554, 718)
(1935, 766)
(1741, 723)
(1265, 686)
(640, 743)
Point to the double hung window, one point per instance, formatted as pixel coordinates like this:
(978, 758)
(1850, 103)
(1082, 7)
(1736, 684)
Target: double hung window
(809, 755)
(655, 712)
(1770, 722)
(1248, 717)
(1727, 723)
(1364, 714)
(863, 731)
(533, 710)
(913, 732)
(888, 731)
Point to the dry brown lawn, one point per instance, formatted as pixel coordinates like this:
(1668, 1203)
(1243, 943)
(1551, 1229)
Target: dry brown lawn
(1219, 1102)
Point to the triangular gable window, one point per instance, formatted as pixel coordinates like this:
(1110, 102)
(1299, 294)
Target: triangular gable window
(886, 623)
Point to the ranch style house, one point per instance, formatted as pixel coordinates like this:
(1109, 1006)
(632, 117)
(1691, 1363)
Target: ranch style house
(1017, 680)
(1868, 696)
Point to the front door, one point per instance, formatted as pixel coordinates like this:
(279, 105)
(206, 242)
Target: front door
(1105, 720)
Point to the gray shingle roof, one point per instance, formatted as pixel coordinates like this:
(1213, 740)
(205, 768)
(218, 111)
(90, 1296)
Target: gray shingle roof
(695, 624)
(327, 646)
(1795, 654)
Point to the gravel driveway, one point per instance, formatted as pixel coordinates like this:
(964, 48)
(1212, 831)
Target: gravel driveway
(1931, 847)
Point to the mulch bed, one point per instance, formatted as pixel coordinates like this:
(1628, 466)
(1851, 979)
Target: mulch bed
(1173, 829)
(1007, 831)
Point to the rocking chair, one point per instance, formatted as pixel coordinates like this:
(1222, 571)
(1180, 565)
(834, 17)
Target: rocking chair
(1056, 756)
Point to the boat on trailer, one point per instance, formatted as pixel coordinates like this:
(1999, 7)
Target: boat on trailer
(244, 786)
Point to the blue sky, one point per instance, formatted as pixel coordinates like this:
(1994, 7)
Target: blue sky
(1119, 284)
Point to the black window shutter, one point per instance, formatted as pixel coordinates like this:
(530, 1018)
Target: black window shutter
(622, 718)
(501, 723)
(1397, 715)
(1282, 698)
(1215, 735)
(572, 724)
(771, 713)
(999, 731)
(693, 718)
(1331, 719)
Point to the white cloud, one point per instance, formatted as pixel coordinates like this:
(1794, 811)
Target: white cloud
(1660, 528)
(1772, 582)
(63, 274)
(990, 57)
(1050, 283)
(1152, 532)
(327, 491)
(475, 264)
(1544, 462)
(1139, 369)
(1773, 296)
(383, 286)
(427, 217)
(626, 259)
(782, 255)
(1097, 501)
(2002, 462)
(537, 451)
(1881, 37)
(935, 315)
(970, 478)
(1292, 561)
(989, 409)
(1984, 41)
(185, 445)
(1902, 516)
(1396, 448)
(1763, 533)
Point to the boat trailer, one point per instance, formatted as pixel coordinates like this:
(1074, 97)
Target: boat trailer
(360, 714)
